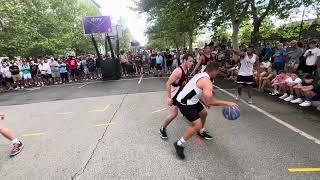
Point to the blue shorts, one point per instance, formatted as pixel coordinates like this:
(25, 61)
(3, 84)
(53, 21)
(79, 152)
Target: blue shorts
(316, 97)
(278, 66)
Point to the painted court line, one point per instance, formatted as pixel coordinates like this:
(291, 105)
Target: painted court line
(304, 170)
(100, 125)
(289, 126)
(158, 110)
(140, 79)
(100, 110)
(65, 113)
(33, 134)
(83, 85)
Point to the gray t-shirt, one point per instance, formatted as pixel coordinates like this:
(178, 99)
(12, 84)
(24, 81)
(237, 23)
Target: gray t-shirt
(294, 55)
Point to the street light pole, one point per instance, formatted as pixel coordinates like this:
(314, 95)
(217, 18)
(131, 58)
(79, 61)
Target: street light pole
(118, 44)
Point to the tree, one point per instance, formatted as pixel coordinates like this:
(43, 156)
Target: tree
(280, 8)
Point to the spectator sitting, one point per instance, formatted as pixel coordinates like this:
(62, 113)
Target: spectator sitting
(301, 88)
(311, 93)
(266, 69)
(279, 82)
(292, 81)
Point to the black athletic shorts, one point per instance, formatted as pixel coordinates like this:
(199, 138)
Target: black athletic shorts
(191, 112)
(246, 80)
(309, 69)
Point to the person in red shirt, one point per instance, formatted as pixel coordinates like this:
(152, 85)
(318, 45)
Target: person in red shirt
(72, 64)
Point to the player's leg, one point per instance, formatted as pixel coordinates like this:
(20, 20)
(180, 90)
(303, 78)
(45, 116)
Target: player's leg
(17, 146)
(188, 133)
(202, 132)
(167, 121)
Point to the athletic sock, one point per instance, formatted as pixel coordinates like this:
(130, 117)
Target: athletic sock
(15, 141)
(181, 142)
(202, 130)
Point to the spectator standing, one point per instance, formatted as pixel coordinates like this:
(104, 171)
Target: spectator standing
(92, 68)
(25, 68)
(6, 74)
(312, 57)
(14, 69)
(124, 61)
(294, 56)
(54, 65)
(34, 69)
(279, 59)
(63, 72)
(72, 66)
(159, 64)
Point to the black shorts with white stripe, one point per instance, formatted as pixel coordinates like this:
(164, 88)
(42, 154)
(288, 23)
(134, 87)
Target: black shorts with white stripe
(245, 80)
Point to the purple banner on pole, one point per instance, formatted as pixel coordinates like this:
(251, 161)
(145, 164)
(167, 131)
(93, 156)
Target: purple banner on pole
(97, 24)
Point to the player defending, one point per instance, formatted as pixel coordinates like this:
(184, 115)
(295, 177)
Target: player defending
(199, 88)
(174, 85)
(245, 75)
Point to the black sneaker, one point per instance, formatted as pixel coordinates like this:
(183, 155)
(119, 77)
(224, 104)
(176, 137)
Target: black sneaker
(179, 150)
(163, 133)
(16, 148)
(205, 135)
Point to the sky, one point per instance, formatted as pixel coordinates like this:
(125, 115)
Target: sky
(121, 8)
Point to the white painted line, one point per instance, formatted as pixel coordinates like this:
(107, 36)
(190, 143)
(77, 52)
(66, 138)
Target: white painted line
(140, 79)
(100, 110)
(83, 85)
(158, 110)
(107, 124)
(289, 126)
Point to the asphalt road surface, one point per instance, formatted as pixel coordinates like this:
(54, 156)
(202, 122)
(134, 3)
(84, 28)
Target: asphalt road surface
(110, 130)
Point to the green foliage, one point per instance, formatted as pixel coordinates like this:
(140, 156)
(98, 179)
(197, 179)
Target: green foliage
(40, 27)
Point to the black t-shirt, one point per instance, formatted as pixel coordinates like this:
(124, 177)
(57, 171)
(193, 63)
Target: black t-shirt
(33, 68)
(316, 87)
(91, 64)
(14, 70)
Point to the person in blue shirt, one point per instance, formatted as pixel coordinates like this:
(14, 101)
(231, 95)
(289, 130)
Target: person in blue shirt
(63, 72)
(159, 64)
(279, 59)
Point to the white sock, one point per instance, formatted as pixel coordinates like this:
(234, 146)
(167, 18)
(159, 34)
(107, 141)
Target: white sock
(15, 141)
(181, 142)
(202, 130)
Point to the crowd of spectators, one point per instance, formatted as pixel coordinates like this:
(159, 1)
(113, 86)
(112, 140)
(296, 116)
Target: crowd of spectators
(19, 73)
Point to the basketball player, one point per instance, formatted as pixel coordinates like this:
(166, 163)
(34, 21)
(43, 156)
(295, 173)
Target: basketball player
(204, 59)
(17, 145)
(198, 88)
(175, 84)
(245, 76)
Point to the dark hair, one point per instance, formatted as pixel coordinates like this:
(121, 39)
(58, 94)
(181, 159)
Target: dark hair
(313, 42)
(282, 71)
(300, 44)
(212, 66)
(186, 56)
(308, 76)
(206, 45)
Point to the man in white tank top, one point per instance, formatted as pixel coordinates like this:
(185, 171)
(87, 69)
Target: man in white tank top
(199, 88)
(177, 80)
(245, 76)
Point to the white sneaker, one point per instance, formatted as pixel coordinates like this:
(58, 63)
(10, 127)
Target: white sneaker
(305, 104)
(297, 101)
(250, 101)
(285, 95)
(290, 98)
(22, 87)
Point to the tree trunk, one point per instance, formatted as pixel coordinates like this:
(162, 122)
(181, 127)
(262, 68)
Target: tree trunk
(235, 34)
(190, 41)
(255, 35)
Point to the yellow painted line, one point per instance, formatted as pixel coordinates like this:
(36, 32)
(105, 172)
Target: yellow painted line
(304, 170)
(99, 125)
(100, 110)
(158, 110)
(64, 113)
(33, 134)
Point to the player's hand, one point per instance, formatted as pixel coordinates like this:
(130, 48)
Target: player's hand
(2, 114)
(232, 104)
(170, 101)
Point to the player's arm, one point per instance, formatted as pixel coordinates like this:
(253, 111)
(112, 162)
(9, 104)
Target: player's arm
(198, 65)
(206, 85)
(176, 74)
(237, 52)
